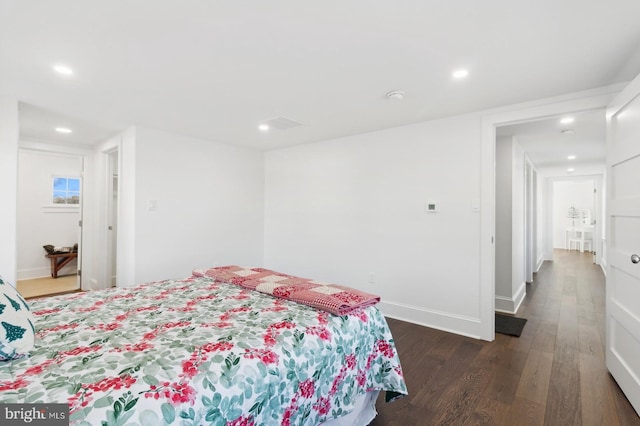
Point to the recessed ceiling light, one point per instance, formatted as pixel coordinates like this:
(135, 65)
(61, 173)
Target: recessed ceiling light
(571, 157)
(570, 170)
(63, 69)
(263, 127)
(63, 130)
(567, 120)
(461, 73)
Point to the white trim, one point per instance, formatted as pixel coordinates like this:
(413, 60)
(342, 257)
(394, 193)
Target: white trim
(518, 298)
(581, 101)
(504, 304)
(32, 273)
(451, 323)
(61, 208)
(511, 305)
(539, 264)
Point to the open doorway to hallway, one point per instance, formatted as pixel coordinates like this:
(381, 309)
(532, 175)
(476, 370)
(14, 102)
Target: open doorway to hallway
(530, 157)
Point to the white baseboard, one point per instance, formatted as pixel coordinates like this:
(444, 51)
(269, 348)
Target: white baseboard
(504, 304)
(603, 265)
(452, 323)
(510, 305)
(519, 296)
(29, 274)
(539, 265)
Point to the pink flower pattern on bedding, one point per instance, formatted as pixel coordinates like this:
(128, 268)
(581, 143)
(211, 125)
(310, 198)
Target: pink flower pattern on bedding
(333, 298)
(195, 352)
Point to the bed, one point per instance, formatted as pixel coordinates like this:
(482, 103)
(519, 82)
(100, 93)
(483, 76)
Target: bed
(203, 351)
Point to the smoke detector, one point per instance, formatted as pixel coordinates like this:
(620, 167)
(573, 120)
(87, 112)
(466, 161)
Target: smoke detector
(395, 95)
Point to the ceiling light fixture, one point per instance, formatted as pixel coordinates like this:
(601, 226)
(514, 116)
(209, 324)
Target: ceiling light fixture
(395, 95)
(460, 73)
(63, 130)
(571, 157)
(63, 69)
(263, 127)
(570, 170)
(567, 120)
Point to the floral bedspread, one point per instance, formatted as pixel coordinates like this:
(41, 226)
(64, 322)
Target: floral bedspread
(196, 351)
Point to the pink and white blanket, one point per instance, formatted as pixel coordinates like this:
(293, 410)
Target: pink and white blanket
(336, 299)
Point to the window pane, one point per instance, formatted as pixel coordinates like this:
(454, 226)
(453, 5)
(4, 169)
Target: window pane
(59, 184)
(59, 197)
(74, 185)
(73, 198)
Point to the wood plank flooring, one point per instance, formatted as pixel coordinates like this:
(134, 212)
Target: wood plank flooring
(554, 374)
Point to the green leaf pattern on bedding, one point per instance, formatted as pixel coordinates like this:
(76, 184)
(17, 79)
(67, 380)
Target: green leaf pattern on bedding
(194, 352)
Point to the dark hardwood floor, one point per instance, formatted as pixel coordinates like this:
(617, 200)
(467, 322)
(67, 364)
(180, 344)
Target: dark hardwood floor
(553, 374)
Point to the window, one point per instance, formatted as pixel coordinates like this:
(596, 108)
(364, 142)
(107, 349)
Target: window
(66, 190)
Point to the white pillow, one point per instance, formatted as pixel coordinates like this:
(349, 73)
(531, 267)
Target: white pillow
(17, 334)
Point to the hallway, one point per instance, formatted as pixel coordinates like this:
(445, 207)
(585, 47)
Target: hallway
(554, 374)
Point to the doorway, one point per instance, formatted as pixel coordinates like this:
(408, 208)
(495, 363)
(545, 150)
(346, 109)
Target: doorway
(576, 203)
(565, 145)
(49, 214)
(592, 102)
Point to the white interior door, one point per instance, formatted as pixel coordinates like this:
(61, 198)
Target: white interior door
(623, 243)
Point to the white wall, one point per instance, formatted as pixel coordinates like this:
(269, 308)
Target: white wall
(39, 222)
(9, 132)
(352, 211)
(209, 201)
(541, 206)
(510, 181)
(569, 193)
(518, 285)
(504, 173)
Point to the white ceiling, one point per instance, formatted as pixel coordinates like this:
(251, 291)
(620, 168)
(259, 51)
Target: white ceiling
(214, 70)
(548, 147)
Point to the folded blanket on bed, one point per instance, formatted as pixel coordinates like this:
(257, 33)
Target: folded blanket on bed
(336, 299)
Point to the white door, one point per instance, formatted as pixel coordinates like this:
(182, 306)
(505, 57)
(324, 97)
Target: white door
(623, 241)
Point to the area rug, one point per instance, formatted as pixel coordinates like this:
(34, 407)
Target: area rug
(511, 326)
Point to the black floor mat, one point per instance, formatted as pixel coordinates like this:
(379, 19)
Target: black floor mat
(509, 325)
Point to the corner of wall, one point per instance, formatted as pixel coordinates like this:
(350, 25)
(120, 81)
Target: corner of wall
(9, 134)
(511, 305)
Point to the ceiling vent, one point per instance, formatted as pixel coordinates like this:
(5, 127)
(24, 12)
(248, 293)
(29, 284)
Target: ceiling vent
(282, 123)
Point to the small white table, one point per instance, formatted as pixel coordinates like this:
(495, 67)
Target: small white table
(580, 232)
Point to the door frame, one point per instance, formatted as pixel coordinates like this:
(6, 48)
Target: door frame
(112, 217)
(576, 102)
(104, 154)
(86, 156)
